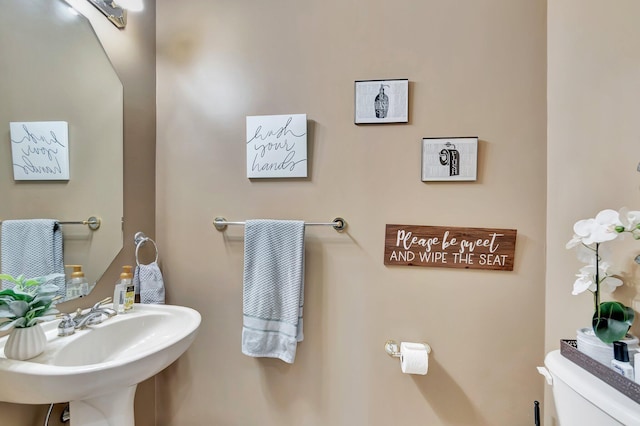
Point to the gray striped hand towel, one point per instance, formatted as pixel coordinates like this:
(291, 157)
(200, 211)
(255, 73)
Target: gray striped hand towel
(32, 248)
(273, 289)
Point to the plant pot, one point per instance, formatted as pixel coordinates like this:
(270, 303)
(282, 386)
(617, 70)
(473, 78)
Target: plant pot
(590, 345)
(25, 343)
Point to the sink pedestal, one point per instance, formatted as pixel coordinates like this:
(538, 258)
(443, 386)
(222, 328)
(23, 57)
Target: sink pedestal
(114, 409)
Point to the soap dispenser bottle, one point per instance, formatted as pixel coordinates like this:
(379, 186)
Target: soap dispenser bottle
(129, 289)
(77, 286)
(381, 103)
(620, 363)
(120, 290)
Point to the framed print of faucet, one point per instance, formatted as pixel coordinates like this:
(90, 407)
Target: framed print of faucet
(381, 101)
(450, 159)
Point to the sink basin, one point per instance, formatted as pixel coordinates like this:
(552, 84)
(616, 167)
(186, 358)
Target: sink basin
(98, 368)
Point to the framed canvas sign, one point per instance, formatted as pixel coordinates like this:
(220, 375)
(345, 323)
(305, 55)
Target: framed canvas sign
(449, 159)
(382, 101)
(277, 146)
(40, 150)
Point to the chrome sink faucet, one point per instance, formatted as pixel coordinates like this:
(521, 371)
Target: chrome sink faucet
(95, 315)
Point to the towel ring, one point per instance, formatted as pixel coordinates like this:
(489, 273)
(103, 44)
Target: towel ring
(139, 240)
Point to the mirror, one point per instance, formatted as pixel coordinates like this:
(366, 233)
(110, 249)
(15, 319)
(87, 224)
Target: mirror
(54, 68)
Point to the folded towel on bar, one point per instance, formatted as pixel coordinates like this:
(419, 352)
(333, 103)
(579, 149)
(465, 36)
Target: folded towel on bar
(32, 248)
(273, 289)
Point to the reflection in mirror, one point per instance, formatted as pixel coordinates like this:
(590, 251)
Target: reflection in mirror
(54, 69)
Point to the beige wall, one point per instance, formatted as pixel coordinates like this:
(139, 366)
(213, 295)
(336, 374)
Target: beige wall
(476, 68)
(133, 55)
(593, 149)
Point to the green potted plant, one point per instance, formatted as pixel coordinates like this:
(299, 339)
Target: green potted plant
(22, 308)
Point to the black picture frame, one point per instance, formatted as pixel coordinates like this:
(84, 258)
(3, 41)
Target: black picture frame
(381, 101)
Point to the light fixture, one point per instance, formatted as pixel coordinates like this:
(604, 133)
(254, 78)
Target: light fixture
(116, 12)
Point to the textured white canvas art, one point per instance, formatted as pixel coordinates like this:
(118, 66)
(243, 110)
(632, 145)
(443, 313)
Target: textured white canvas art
(40, 150)
(277, 146)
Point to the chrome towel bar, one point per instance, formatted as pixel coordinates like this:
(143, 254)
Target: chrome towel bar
(93, 223)
(339, 224)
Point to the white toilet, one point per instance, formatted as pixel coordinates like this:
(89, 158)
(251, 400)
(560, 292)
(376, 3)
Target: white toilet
(582, 399)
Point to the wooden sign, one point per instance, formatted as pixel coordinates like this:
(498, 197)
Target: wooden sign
(450, 247)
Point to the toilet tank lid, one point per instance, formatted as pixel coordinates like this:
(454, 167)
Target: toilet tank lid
(608, 399)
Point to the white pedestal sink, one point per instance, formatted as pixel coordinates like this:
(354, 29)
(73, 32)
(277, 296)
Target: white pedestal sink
(97, 369)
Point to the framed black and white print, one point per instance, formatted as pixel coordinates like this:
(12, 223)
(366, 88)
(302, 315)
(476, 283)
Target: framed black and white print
(382, 101)
(450, 159)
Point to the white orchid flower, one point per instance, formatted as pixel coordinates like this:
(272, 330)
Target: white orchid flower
(609, 284)
(585, 280)
(630, 219)
(599, 229)
(576, 240)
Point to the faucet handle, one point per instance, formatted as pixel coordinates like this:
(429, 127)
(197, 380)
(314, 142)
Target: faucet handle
(67, 326)
(106, 311)
(100, 303)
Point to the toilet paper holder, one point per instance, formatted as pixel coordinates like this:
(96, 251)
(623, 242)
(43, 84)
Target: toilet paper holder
(392, 348)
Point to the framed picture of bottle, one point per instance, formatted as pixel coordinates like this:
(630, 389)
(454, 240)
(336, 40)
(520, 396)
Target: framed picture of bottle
(381, 101)
(450, 159)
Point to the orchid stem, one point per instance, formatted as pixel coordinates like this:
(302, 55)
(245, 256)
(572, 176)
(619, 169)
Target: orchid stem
(596, 293)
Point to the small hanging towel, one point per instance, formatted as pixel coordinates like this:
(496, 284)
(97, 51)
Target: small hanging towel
(147, 279)
(273, 289)
(32, 248)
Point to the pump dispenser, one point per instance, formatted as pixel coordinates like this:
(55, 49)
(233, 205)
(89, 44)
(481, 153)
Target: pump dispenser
(129, 289)
(120, 291)
(77, 286)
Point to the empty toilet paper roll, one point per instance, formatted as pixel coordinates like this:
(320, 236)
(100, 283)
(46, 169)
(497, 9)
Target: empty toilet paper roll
(414, 358)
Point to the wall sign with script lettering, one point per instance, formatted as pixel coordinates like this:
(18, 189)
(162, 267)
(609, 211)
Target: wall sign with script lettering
(40, 150)
(450, 247)
(277, 146)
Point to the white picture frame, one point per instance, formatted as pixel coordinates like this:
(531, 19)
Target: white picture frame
(450, 159)
(40, 150)
(381, 101)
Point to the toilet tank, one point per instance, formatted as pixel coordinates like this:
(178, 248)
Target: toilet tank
(582, 399)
